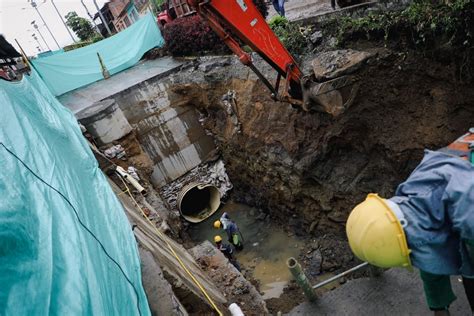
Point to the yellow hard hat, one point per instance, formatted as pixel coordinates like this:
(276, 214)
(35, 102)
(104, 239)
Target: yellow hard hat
(217, 224)
(217, 239)
(376, 235)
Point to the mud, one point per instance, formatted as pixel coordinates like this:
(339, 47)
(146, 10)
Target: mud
(266, 246)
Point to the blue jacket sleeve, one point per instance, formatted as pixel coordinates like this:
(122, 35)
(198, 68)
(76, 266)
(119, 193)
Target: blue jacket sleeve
(459, 199)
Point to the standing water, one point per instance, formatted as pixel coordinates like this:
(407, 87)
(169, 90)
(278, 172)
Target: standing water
(266, 246)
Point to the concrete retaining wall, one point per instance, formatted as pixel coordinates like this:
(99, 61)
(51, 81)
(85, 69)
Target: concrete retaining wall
(167, 128)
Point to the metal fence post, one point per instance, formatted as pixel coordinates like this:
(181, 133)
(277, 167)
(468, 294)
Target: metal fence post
(301, 279)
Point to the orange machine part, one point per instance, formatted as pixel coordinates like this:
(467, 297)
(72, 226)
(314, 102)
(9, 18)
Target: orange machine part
(461, 145)
(243, 18)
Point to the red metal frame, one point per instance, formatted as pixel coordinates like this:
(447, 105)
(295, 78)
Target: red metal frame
(243, 18)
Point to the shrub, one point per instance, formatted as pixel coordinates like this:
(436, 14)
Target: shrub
(96, 38)
(426, 23)
(289, 34)
(192, 36)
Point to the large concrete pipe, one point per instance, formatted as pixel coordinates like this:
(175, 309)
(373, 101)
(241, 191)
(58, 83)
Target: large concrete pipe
(105, 121)
(198, 201)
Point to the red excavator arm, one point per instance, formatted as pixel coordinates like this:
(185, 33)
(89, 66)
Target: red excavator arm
(243, 18)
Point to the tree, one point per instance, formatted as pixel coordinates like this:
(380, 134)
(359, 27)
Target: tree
(81, 26)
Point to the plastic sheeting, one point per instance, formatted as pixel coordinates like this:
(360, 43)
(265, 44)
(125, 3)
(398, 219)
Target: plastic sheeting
(73, 69)
(64, 252)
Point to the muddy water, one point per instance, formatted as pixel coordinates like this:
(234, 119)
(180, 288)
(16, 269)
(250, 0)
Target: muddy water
(266, 247)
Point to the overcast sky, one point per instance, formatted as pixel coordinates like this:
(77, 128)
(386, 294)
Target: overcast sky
(16, 17)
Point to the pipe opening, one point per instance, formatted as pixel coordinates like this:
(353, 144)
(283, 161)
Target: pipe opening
(291, 262)
(196, 202)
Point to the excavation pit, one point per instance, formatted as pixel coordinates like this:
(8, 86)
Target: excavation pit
(266, 246)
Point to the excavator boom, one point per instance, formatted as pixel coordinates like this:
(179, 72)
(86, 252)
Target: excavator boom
(240, 18)
(246, 22)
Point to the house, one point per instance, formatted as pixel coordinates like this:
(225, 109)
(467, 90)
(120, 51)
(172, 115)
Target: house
(119, 14)
(131, 12)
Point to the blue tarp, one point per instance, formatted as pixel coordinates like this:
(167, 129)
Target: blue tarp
(66, 246)
(73, 69)
(50, 53)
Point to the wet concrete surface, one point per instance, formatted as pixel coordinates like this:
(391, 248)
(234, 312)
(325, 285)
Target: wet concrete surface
(396, 292)
(83, 97)
(266, 246)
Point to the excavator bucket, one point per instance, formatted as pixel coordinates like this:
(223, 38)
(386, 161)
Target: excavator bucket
(332, 97)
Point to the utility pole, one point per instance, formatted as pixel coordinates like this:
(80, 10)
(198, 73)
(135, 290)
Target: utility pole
(37, 41)
(37, 29)
(90, 16)
(104, 22)
(35, 6)
(62, 20)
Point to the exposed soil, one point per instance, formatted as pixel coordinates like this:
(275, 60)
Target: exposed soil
(308, 170)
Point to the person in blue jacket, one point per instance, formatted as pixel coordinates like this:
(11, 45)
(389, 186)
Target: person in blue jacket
(233, 233)
(429, 224)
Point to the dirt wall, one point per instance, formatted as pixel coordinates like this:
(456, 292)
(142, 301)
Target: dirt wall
(309, 169)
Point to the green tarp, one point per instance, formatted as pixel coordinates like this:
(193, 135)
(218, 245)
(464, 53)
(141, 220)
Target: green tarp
(73, 69)
(66, 246)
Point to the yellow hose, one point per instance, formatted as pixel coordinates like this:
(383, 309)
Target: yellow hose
(174, 253)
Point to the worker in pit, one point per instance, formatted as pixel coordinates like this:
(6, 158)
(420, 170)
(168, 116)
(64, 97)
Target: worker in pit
(227, 251)
(429, 224)
(233, 233)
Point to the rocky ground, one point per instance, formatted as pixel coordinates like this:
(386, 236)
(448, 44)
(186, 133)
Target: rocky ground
(230, 281)
(307, 170)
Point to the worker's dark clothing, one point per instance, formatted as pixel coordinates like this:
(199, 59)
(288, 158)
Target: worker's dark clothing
(333, 4)
(228, 253)
(439, 293)
(279, 6)
(437, 201)
(233, 233)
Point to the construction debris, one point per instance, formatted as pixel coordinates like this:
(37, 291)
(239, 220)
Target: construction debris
(116, 151)
(213, 173)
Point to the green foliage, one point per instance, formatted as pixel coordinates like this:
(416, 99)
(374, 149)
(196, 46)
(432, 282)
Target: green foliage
(424, 23)
(76, 45)
(158, 4)
(190, 36)
(289, 34)
(81, 26)
(96, 38)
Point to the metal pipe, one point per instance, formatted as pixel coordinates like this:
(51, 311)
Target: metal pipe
(34, 5)
(90, 16)
(104, 22)
(62, 20)
(301, 279)
(37, 41)
(24, 56)
(130, 180)
(334, 278)
(105, 72)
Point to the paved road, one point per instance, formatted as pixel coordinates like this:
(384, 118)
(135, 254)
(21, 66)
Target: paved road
(83, 97)
(397, 292)
(298, 9)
